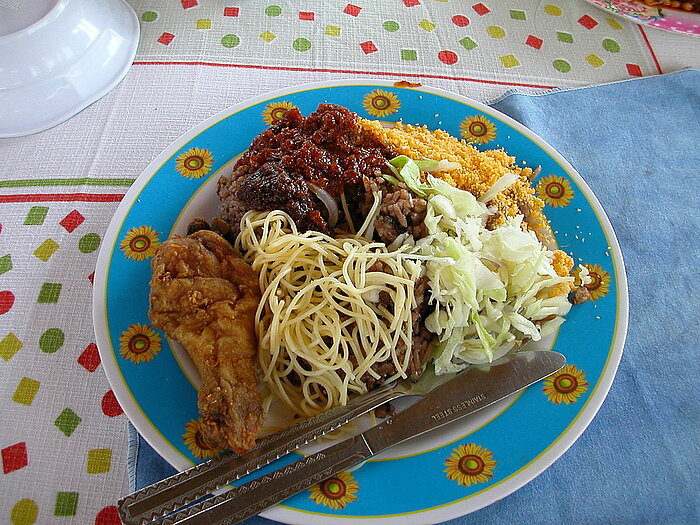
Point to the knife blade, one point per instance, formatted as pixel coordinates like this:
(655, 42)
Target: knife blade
(470, 391)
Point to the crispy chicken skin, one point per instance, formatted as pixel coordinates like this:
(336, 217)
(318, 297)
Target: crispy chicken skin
(204, 296)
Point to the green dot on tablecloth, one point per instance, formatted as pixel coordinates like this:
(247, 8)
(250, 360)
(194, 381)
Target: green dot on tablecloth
(562, 65)
(409, 54)
(563, 36)
(611, 45)
(49, 293)
(273, 10)
(67, 421)
(66, 504)
(89, 243)
(5, 263)
(301, 44)
(391, 26)
(36, 216)
(149, 16)
(51, 340)
(496, 31)
(230, 41)
(24, 512)
(517, 14)
(468, 43)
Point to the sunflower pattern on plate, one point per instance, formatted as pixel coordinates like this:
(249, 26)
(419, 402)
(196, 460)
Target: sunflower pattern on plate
(555, 191)
(599, 281)
(139, 343)
(275, 111)
(335, 492)
(470, 464)
(195, 163)
(380, 103)
(194, 441)
(140, 243)
(477, 129)
(565, 386)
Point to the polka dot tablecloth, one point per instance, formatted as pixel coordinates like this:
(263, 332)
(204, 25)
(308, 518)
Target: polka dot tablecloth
(63, 436)
(527, 42)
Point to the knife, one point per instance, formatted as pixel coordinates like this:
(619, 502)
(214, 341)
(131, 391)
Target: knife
(469, 391)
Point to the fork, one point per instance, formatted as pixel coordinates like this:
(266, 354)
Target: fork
(179, 490)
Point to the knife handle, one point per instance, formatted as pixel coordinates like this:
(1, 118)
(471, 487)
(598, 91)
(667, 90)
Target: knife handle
(257, 495)
(165, 496)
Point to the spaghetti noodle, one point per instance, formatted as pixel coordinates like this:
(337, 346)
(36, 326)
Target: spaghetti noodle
(332, 308)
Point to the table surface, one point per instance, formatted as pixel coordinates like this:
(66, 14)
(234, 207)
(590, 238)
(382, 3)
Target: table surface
(64, 437)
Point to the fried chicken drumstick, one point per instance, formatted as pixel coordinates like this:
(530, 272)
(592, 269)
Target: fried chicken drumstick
(204, 296)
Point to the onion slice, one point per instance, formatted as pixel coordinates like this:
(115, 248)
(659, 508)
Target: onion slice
(328, 201)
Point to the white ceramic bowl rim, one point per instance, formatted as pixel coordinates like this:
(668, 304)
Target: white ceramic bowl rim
(53, 13)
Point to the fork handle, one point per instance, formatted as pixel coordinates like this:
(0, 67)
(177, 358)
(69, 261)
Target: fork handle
(158, 499)
(261, 493)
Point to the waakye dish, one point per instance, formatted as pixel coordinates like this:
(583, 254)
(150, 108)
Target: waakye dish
(347, 254)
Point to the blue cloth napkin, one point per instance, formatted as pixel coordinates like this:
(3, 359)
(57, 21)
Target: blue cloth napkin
(637, 144)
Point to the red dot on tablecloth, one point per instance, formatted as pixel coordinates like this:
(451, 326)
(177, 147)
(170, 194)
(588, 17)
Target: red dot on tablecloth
(14, 457)
(352, 10)
(91, 278)
(110, 405)
(481, 9)
(7, 299)
(71, 221)
(534, 41)
(231, 11)
(411, 3)
(186, 4)
(460, 21)
(368, 47)
(634, 70)
(587, 22)
(108, 516)
(307, 15)
(166, 38)
(448, 57)
(90, 358)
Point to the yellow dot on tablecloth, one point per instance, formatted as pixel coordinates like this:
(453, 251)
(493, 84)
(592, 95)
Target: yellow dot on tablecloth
(552, 10)
(595, 60)
(426, 24)
(46, 249)
(268, 36)
(204, 23)
(613, 23)
(496, 32)
(25, 512)
(332, 30)
(509, 61)
(26, 390)
(9, 346)
(99, 460)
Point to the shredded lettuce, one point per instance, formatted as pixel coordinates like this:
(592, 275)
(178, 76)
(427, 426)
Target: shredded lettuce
(488, 289)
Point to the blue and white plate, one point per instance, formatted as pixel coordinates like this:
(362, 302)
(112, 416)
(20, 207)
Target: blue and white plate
(448, 472)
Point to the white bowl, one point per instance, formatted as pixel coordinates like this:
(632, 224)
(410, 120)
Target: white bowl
(58, 57)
